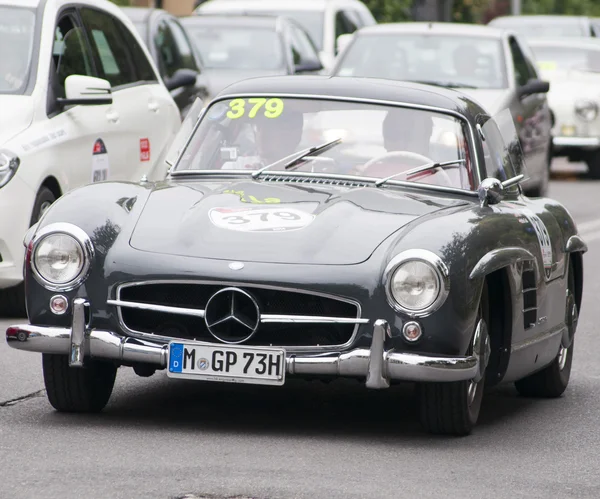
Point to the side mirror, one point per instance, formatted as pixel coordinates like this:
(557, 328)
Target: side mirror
(533, 87)
(182, 78)
(85, 91)
(342, 42)
(308, 66)
(491, 190)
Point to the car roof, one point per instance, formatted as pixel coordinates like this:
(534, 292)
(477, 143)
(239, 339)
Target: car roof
(231, 20)
(359, 88)
(583, 42)
(139, 14)
(269, 4)
(20, 3)
(542, 18)
(434, 28)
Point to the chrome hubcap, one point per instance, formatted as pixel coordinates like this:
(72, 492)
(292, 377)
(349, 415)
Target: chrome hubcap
(472, 391)
(562, 357)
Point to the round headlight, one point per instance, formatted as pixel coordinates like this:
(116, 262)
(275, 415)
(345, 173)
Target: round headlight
(587, 110)
(59, 259)
(417, 282)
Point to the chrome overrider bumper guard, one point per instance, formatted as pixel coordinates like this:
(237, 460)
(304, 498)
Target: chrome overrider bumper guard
(377, 364)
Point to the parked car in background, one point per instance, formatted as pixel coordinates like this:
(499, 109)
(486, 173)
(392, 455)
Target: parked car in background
(540, 26)
(80, 102)
(237, 47)
(573, 68)
(324, 20)
(175, 55)
(491, 65)
(256, 261)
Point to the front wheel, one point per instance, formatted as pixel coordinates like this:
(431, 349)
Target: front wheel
(78, 389)
(453, 408)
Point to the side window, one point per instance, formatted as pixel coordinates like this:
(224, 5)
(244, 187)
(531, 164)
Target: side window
(498, 163)
(110, 47)
(343, 24)
(70, 53)
(184, 46)
(302, 45)
(522, 71)
(143, 69)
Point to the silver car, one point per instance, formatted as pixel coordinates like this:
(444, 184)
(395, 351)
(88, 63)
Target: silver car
(490, 65)
(536, 26)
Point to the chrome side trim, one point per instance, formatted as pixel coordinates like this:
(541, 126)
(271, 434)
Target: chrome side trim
(544, 335)
(155, 337)
(440, 269)
(376, 365)
(84, 242)
(157, 308)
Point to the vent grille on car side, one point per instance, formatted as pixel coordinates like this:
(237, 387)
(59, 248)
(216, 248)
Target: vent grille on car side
(530, 310)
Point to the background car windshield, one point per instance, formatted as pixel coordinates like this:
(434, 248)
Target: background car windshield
(376, 140)
(16, 47)
(546, 28)
(238, 48)
(455, 61)
(552, 58)
(310, 20)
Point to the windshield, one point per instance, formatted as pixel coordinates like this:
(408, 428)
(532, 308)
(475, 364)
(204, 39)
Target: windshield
(453, 61)
(16, 48)
(366, 140)
(232, 47)
(552, 58)
(310, 20)
(544, 28)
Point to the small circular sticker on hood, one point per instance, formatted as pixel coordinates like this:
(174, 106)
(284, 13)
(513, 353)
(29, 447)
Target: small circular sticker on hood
(260, 219)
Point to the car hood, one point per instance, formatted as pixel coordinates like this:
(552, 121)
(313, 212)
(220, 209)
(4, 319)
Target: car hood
(279, 223)
(492, 100)
(17, 114)
(218, 79)
(572, 85)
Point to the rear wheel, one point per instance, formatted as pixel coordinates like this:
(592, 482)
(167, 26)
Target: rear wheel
(78, 389)
(453, 408)
(12, 300)
(553, 380)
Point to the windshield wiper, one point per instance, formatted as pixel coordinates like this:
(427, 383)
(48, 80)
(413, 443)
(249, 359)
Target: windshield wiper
(447, 84)
(291, 160)
(429, 166)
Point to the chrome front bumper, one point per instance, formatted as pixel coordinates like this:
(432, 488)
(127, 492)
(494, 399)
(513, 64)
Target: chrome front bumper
(582, 142)
(378, 365)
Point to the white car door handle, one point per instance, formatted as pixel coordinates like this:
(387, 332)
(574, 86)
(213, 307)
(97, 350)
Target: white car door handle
(112, 116)
(153, 106)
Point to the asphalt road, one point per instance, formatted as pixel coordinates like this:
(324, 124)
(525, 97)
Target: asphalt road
(160, 439)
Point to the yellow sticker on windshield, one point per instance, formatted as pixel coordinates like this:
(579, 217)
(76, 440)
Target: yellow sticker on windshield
(547, 65)
(270, 108)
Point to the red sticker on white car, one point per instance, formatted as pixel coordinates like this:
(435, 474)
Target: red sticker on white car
(144, 149)
(100, 164)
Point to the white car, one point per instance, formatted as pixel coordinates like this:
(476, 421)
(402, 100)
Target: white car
(324, 20)
(80, 102)
(573, 68)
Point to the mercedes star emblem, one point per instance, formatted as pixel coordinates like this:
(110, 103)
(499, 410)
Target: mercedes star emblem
(232, 315)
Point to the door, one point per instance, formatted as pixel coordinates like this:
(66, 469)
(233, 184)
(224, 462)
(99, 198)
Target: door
(529, 114)
(303, 50)
(89, 137)
(133, 109)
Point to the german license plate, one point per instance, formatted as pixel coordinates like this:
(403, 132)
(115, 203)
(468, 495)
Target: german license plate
(229, 364)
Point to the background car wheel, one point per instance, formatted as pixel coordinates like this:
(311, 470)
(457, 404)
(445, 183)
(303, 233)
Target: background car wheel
(12, 300)
(74, 389)
(453, 408)
(552, 381)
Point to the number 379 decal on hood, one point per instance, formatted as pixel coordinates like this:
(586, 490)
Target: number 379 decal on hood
(260, 219)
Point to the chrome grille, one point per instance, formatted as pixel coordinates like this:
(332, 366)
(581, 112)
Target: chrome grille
(273, 177)
(288, 318)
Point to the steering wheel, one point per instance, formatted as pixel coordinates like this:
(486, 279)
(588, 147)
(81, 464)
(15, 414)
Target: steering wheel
(387, 165)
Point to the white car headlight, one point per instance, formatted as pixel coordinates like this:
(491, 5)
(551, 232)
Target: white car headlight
(9, 162)
(587, 110)
(416, 282)
(61, 256)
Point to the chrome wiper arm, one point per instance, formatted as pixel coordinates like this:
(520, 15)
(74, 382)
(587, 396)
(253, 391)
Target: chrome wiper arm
(422, 168)
(291, 160)
(447, 84)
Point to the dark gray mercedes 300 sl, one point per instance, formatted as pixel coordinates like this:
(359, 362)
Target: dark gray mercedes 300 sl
(314, 227)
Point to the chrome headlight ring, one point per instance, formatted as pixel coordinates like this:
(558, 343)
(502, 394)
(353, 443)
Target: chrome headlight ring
(80, 237)
(439, 268)
(586, 109)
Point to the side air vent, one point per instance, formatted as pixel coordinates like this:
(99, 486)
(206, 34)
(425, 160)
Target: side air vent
(530, 311)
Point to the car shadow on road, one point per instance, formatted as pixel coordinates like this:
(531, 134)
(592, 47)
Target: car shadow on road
(309, 408)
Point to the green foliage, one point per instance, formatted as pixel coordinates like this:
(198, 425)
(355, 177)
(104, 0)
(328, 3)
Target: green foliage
(571, 7)
(122, 3)
(388, 11)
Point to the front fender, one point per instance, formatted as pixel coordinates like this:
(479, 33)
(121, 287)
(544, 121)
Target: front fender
(498, 259)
